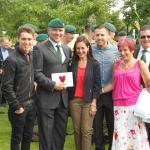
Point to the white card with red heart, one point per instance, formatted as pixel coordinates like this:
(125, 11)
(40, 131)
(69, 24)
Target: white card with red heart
(65, 77)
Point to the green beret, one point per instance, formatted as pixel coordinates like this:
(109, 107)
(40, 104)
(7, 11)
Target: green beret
(33, 27)
(93, 26)
(70, 29)
(131, 36)
(56, 23)
(41, 37)
(88, 26)
(122, 33)
(110, 27)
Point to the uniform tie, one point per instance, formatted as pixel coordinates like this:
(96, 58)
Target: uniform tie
(27, 58)
(59, 56)
(144, 55)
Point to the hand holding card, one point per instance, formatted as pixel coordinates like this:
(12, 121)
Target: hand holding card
(65, 77)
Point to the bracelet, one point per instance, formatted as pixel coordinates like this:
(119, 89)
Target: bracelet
(103, 91)
(93, 108)
(93, 105)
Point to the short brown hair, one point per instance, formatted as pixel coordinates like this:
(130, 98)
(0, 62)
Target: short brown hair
(101, 26)
(24, 29)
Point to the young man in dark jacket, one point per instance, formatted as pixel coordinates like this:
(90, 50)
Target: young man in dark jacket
(18, 89)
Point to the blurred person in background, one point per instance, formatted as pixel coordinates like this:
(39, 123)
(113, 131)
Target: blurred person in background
(112, 32)
(69, 35)
(89, 32)
(143, 53)
(5, 50)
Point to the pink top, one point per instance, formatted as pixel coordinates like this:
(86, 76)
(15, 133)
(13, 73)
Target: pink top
(79, 90)
(127, 85)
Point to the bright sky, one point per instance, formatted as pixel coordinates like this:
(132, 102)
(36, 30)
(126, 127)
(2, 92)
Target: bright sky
(119, 4)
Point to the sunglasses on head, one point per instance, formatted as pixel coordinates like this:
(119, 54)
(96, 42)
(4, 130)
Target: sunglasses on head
(144, 37)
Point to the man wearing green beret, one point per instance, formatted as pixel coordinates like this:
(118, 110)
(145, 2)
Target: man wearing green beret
(69, 35)
(122, 34)
(89, 32)
(52, 97)
(112, 31)
(41, 38)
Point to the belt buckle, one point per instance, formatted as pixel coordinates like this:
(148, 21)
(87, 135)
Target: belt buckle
(28, 102)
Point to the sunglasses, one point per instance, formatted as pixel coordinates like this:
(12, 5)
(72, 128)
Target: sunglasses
(144, 37)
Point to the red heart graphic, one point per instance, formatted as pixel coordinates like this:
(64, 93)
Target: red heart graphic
(62, 78)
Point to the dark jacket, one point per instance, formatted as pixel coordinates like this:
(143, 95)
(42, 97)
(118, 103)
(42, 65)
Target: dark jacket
(18, 79)
(136, 55)
(46, 62)
(92, 84)
(2, 60)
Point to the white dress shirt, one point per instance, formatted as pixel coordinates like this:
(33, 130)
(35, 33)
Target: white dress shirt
(61, 50)
(147, 54)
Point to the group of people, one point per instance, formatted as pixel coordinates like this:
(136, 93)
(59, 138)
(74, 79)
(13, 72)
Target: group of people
(107, 80)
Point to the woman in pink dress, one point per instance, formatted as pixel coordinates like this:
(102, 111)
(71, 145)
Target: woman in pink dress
(129, 130)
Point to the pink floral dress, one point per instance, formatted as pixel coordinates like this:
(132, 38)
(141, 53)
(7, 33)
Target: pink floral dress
(129, 130)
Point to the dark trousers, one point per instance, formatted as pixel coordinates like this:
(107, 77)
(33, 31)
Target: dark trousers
(105, 109)
(2, 99)
(22, 127)
(148, 131)
(52, 127)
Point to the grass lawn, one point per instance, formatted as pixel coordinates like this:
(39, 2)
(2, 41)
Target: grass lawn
(5, 134)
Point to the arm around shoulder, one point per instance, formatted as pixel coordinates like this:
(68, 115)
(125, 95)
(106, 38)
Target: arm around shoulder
(109, 87)
(96, 79)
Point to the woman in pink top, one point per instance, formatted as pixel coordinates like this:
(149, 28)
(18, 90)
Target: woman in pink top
(129, 130)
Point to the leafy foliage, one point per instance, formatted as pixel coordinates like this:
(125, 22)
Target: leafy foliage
(77, 12)
(136, 9)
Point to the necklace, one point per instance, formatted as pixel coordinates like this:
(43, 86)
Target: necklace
(127, 65)
(82, 63)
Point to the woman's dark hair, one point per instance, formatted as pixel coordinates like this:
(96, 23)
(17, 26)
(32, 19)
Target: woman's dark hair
(87, 43)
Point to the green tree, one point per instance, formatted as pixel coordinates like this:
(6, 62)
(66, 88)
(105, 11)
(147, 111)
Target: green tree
(77, 12)
(136, 9)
